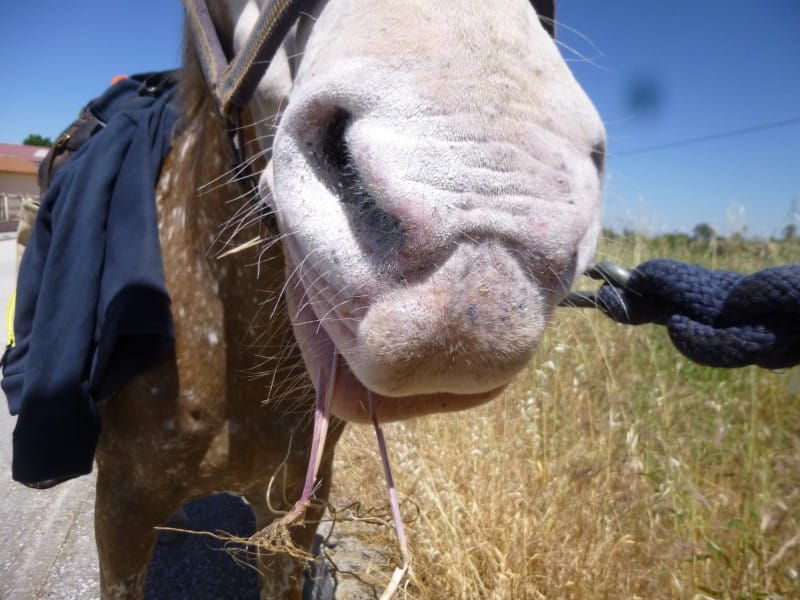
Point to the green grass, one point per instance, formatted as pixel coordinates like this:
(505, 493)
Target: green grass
(612, 468)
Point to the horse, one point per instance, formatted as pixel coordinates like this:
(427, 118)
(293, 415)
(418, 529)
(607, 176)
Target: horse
(429, 183)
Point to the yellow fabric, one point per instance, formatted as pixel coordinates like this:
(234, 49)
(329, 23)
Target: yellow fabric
(10, 318)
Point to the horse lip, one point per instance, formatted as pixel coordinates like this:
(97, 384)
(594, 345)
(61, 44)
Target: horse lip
(350, 401)
(329, 334)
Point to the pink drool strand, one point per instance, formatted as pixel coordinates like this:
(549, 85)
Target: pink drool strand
(399, 573)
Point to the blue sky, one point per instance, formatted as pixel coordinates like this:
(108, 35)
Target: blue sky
(659, 72)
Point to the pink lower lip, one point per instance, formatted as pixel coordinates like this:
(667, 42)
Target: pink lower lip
(350, 401)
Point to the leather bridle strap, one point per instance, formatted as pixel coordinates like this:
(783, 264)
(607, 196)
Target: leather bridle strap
(233, 83)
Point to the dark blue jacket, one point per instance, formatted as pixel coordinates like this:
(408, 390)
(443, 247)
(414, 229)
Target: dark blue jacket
(92, 310)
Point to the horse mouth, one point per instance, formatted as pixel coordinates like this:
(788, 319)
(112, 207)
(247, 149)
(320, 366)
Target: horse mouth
(318, 323)
(350, 400)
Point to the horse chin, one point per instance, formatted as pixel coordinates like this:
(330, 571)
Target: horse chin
(350, 401)
(326, 363)
(350, 398)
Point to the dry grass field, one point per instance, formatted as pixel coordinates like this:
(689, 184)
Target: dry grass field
(612, 468)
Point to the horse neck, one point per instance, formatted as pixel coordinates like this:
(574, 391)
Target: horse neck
(217, 276)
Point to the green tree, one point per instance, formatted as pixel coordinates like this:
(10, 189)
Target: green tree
(35, 139)
(676, 241)
(789, 232)
(703, 233)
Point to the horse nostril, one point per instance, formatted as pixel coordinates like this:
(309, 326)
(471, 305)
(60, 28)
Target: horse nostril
(599, 156)
(335, 151)
(346, 182)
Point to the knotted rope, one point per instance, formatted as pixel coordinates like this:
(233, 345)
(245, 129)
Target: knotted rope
(715, 318)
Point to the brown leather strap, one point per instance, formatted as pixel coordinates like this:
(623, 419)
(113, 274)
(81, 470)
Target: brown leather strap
(233, 83)
(70, 140)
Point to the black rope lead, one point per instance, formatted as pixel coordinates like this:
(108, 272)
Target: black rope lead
(715, 318)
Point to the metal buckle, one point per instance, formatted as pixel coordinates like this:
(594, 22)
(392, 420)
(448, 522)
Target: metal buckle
(611, 273)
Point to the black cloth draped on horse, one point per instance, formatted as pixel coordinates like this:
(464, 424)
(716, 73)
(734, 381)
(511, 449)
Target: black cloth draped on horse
(92, 310)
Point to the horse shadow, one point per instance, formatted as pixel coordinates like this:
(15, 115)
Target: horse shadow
(198, 567)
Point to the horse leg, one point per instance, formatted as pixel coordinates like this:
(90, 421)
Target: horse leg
(125, 522)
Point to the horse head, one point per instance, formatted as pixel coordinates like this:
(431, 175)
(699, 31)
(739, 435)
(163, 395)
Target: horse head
(436, 173)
